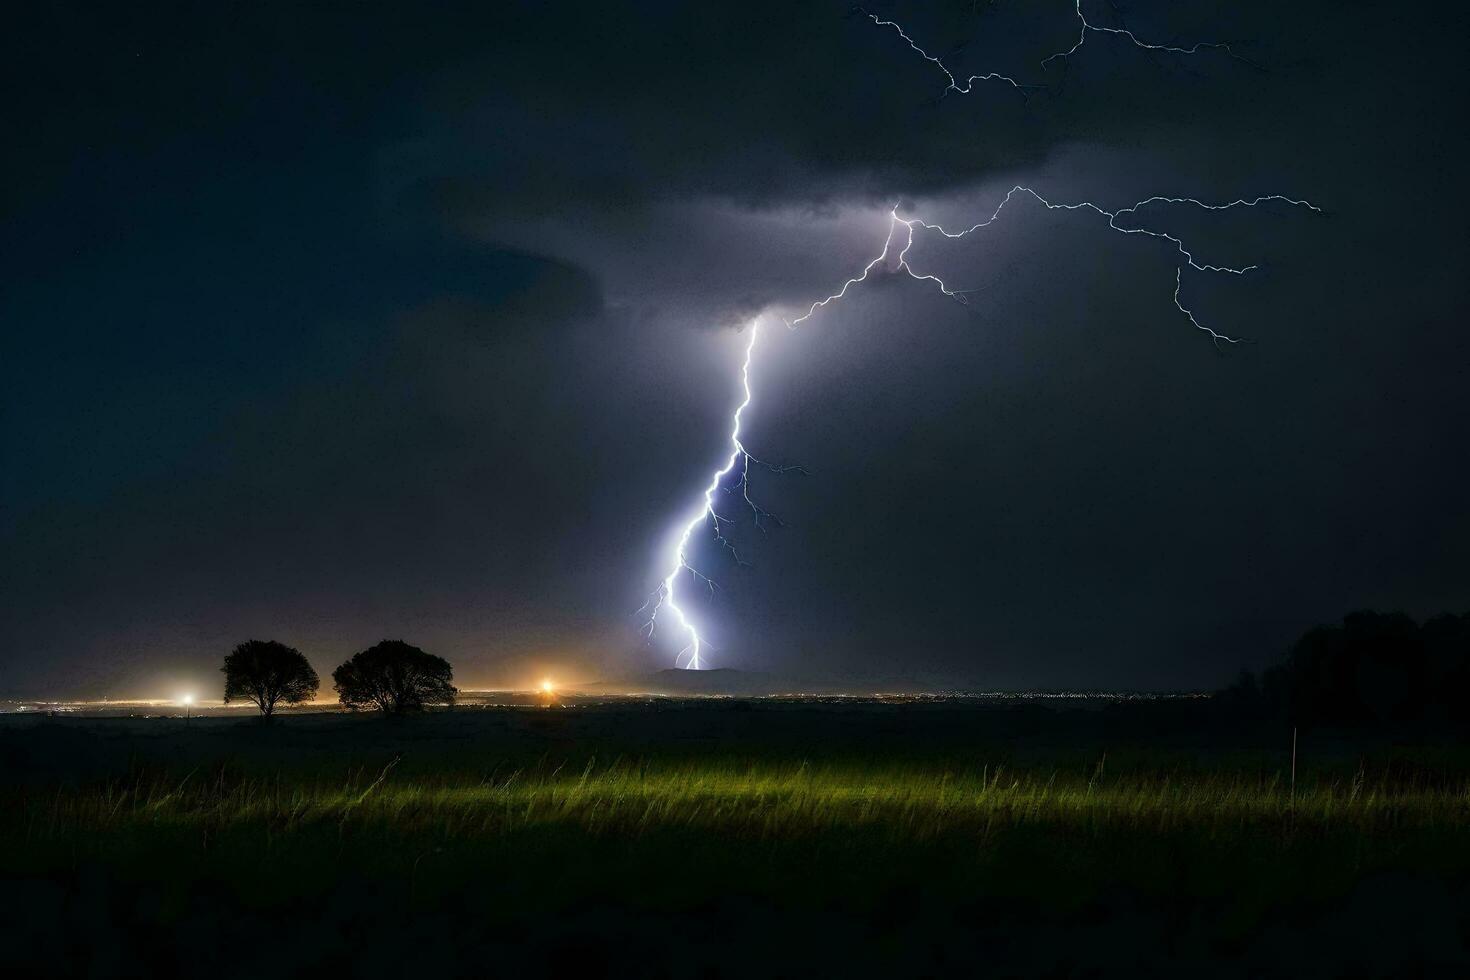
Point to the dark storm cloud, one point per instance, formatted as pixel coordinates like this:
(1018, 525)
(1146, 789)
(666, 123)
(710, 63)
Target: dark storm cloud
(709, 160)
(334, 327)
(771, 103)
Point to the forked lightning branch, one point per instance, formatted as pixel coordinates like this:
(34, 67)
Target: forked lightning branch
(731, 479)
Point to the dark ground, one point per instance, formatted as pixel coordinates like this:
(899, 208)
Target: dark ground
(120, 858)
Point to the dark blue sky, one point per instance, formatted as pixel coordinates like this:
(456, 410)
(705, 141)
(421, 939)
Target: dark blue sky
(419, 321)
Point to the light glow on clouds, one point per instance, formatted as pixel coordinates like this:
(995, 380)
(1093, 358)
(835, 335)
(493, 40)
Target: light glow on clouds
(1125, 221)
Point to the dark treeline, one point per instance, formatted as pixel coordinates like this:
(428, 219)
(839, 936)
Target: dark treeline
(392, 676)
(1373, 669)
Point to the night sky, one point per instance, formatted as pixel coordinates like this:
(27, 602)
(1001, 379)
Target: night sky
(343, 322)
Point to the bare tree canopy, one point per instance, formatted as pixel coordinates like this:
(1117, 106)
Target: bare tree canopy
(395, 678)
(267, 673)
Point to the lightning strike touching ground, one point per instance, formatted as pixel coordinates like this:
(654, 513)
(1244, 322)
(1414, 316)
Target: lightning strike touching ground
(665, 597)
(1125, 221)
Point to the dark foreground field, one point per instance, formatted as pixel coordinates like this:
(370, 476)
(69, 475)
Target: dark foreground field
(704, 838)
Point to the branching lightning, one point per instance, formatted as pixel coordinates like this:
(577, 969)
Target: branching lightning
(1087, 27)
(1084, 28)
(1186, 256)
(665, 597)
(954, 84)
(734, 474)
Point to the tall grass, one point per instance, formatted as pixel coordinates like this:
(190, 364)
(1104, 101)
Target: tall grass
(766, 850)
(753, 802)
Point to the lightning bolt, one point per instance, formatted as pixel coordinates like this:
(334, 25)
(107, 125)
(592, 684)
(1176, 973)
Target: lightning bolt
(955, 85)
(1186, 256)
(666, 598)
(1085, 27)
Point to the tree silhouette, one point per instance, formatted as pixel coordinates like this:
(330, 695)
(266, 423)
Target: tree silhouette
(1373, 669)
(395, 678)
(267, 673)
(1447, 650)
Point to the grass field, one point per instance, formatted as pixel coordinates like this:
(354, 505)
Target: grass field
(707, 840)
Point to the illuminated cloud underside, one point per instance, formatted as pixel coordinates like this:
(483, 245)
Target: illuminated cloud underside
(665, 600)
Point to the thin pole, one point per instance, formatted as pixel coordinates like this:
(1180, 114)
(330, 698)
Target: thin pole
(1293, 763)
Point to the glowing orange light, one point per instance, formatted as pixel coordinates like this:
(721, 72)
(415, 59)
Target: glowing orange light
(546, 686)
